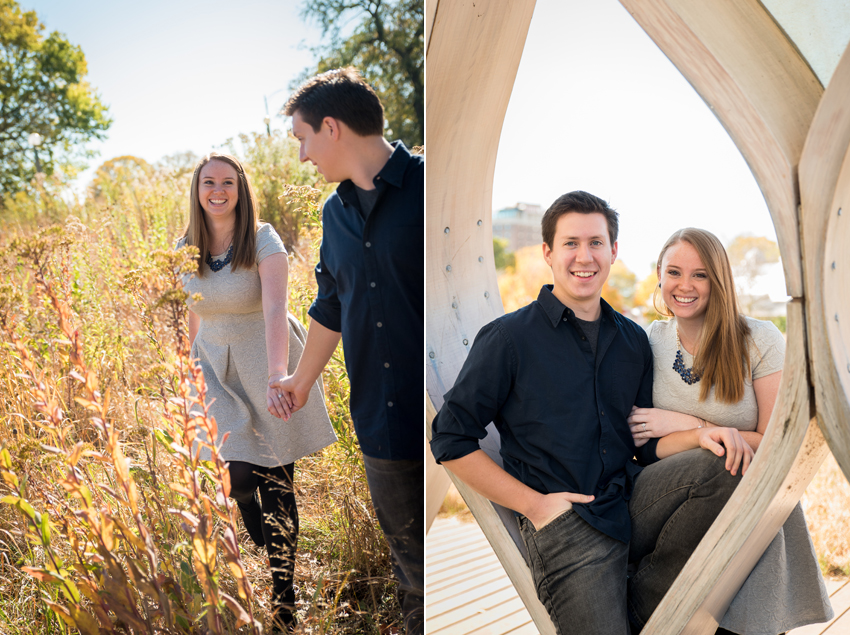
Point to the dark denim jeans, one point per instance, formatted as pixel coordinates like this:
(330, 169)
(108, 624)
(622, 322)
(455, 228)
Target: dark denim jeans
(674, 503)
(580, 575)
(398, 494)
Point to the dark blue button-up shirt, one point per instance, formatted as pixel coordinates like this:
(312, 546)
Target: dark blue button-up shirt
(371, 289)
(561, 412)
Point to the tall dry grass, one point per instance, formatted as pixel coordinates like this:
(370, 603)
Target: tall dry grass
(109, 522)
(826, 503)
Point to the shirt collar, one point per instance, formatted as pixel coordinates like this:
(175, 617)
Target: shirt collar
(393, 170)
(392, 173)
(556, 311)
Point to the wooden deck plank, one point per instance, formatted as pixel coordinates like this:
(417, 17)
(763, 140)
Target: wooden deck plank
(459, 542)
(494, 620)
(483, 589)
(465, 544)
(448, 539)
(525, 629)
(468, 558)
(839, 597)
(450, 586)
(461, 612)
(508, 622)
(468, 592)
(841, 626)
(445, 531)
(454, 577)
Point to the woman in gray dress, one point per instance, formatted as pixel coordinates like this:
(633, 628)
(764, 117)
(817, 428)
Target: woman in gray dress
(716, 367)
(244, 338)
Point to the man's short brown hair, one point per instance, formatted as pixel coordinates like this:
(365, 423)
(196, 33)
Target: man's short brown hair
(342, 94)
(582, 203)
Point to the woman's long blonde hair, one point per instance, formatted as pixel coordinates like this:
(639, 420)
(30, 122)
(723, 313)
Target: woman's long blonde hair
(722, 358)
(247, 218)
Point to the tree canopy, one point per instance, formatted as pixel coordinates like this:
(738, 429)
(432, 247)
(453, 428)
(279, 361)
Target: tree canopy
(384, 39)
(42, 90)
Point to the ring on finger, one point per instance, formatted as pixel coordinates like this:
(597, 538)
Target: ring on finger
(279, 396)
(644, 427)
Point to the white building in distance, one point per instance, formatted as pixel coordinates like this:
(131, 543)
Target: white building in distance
(519, 225)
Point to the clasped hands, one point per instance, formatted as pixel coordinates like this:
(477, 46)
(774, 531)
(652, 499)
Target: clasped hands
(649, 423)
(284, 397)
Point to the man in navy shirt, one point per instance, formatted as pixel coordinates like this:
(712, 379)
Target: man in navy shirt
(559, 378)
(371, 288)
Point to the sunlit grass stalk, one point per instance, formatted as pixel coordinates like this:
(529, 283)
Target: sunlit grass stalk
(123, 582)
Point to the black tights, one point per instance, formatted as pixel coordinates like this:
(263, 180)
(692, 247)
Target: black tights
(280, 523)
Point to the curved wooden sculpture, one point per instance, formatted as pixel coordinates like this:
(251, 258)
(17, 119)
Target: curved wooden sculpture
(474, 49)
(766, 96)
(825, 194)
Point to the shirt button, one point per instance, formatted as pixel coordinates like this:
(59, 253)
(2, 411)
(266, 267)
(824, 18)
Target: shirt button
(603, 413)
(373, 284)
(389, 404)
(380, 324)
(565, 319)
(368, 244)
(386, 364)
(604, 451)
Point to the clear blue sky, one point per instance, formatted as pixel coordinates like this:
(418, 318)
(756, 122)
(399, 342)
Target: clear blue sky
(597, 106)
(183, 75)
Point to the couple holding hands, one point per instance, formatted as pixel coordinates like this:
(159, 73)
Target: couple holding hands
(620, 446)
(263, 370)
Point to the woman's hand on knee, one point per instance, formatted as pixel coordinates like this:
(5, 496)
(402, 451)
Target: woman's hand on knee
(727, 441)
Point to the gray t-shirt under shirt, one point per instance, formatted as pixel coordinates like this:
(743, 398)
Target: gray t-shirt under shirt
(591, 332)
(367, 199)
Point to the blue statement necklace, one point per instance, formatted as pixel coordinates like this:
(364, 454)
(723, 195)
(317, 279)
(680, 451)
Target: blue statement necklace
(218, 265)
(687, 374)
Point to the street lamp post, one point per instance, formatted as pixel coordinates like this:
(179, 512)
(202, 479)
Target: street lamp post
(267, 119)
(35, 140)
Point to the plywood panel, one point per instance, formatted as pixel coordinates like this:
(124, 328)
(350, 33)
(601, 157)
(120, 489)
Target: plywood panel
(825, 192)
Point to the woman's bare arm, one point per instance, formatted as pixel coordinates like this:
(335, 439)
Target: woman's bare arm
(274, 276)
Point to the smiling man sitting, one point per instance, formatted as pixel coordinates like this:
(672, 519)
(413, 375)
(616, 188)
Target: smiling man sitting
(558, 378)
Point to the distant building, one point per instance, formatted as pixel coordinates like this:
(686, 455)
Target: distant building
(763, 296)
(519, 225)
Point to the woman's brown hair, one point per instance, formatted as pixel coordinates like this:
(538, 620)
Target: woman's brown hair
(247, 218)
(722, 359)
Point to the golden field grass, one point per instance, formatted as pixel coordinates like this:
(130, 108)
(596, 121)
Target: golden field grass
(108, 522)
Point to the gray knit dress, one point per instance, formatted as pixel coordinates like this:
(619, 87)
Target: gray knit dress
(231, 347)
(785, 589)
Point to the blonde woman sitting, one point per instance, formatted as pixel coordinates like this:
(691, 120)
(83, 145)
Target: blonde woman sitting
(716, 367)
